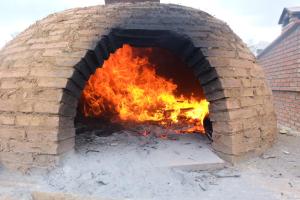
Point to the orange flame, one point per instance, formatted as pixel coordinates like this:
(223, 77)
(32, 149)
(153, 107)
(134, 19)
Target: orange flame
(128, 88)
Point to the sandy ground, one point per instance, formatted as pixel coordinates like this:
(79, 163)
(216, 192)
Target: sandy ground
(124, 166)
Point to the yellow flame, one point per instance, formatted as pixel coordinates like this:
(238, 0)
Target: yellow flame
(129, 87)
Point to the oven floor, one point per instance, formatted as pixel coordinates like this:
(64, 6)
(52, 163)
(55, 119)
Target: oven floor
(125, 166)
(188, 151)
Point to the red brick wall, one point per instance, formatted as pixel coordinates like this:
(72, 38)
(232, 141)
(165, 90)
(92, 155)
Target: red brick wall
(287, 106)
(281, 62)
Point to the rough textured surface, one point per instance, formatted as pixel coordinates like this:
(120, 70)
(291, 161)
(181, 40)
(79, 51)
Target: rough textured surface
(274, 175)
(38, 106)
(281, 62)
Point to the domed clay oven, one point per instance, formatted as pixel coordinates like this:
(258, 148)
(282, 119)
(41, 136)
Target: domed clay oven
(44, 70)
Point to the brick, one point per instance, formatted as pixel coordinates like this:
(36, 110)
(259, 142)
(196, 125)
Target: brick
(253, 122)
(46, 107)
(241, 72)
(225, 104)
(232, 92)
(45, 94)
(229, 144)
(228, 127)
(25, 107)
(38, 134)
(219, 62)
(16, 157)
(52, 82)
(241, 63)
(242, 113)
(220, 53)
(215, 96)
(247, 56)
(247, 92)
(46, 160)
(66, 62)
(246, 82)
(15, 50)
(225, 72)
(257, 82)
(231, 82)
(50, 45)
(51, 72)
(7, 132)
(13, 83)
(250, 101)
(16, 72)
(7, 119)
(33, 147)
(66, 145)
(6, 105)
(37, 120)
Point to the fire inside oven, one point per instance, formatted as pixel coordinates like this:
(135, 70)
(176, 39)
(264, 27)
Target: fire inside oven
(145, 87)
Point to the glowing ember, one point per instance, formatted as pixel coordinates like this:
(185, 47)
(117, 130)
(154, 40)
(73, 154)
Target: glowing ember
(127, 88)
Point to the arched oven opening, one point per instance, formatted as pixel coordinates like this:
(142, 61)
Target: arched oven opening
(147, 90)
